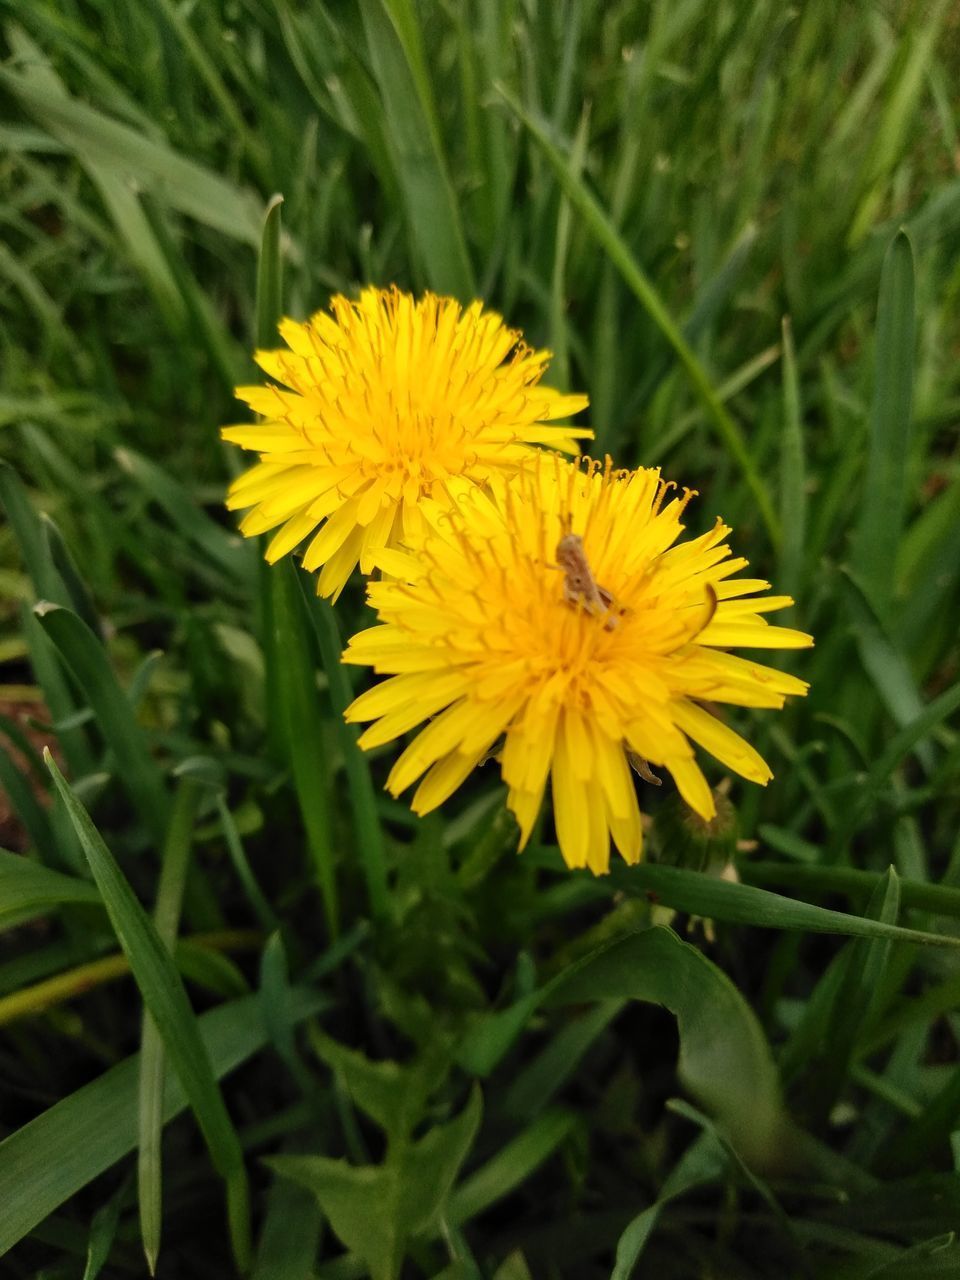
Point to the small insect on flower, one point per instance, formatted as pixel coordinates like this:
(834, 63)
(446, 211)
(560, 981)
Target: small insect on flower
(385, 403)
(485, 643)
(579, 587)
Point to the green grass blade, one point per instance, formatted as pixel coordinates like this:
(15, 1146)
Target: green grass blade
(28, 890)
(103, 1231)
(854, 883)
(299, 706)
(241, 865)
(886, 665)
(28, 531)
(793, 494)
(49, 1159)
(269, 309)
(96, 138)
(166, 918)
(290, 1233)
(859, 988)
(606, 234)
(270, 275)
(705, 895)
(87, 659)
(884, 498)
(399, 66)
(512, 1164)
(78, 594)
(26, 807)
(220, 547)
(363, 798)
(162, 990)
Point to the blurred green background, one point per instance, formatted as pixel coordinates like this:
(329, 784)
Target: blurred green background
(736, 225)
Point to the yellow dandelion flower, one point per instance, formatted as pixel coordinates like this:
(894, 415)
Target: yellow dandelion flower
(385, 402)
(559, 613)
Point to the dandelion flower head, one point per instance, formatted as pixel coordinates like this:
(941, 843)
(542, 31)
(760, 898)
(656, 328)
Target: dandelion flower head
(577, 673)
(382, 403)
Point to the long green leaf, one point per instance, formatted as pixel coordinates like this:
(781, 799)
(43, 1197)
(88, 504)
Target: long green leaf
(605, 232)
(224, 549)
(855, 883)
(173, 874)
(705, 895)
(28, 889)
(793, 493)
(87, 659)
(163, 994)
(48, 1160)
(884, 498)
(363, 798)
(96, 138)
(299, 703)
(725, 1060)
(431, 208)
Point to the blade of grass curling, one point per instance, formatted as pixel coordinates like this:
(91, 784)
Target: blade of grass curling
(619, 254)
(725, 1060)
(164, 996)
(301, 720)
(87, 659)
(395, 47)
(270, 275)
(882, 506)
(51, 1157)
(166, 918)
(793, 496)
(363, 798)
(78, 594)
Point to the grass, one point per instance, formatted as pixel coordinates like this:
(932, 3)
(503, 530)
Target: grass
(382, 1045)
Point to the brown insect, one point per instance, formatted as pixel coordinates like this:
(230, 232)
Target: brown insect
(579, 585)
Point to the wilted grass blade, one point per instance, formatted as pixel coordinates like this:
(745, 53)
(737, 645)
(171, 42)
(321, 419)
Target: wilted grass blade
(163, 995)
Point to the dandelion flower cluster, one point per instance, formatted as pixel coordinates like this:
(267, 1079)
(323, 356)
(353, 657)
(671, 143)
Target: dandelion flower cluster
(377, 406)
(543, 612)
(578, 670)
